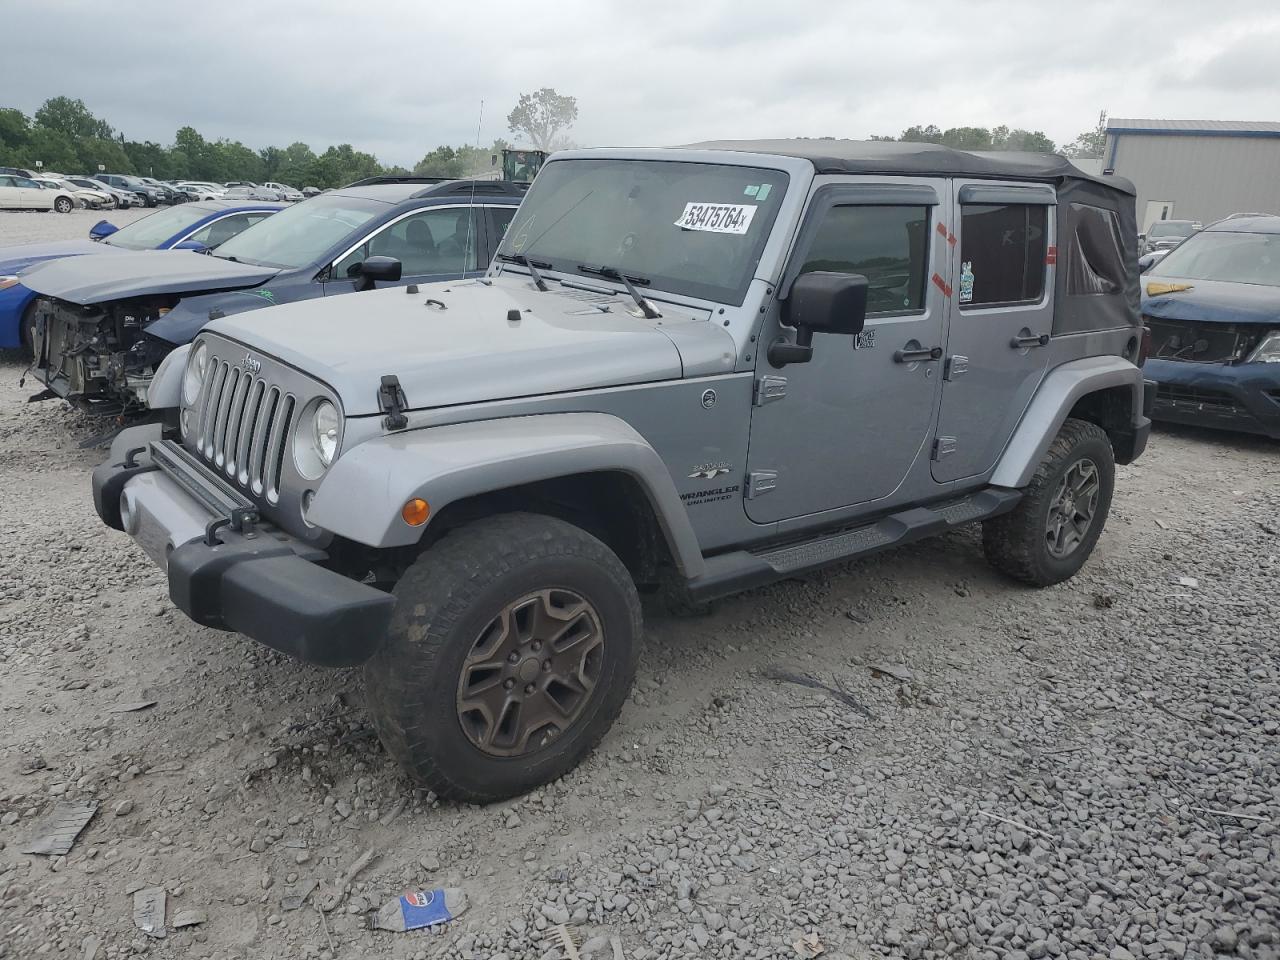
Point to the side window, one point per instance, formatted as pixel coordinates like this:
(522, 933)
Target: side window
(220, 231)
(888, 245)
(499, 219)
(24, 182)
(6, 181)
(1095, 261)
(429, 242)
(1002, 253)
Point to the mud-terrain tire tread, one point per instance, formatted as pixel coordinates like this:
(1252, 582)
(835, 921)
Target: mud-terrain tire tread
(411, 683)
(1014, 543)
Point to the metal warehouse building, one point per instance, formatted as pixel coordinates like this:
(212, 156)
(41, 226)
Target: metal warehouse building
(1197, 169)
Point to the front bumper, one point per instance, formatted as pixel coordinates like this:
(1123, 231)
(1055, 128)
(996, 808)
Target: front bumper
(1228, 396)
(255, 580)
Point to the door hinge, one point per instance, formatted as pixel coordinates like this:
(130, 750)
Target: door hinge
(943, 447)
(770, 388)
(956, 365)
(760, 482)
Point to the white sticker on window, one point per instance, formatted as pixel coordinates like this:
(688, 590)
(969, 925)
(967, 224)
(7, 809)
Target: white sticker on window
(717, 217)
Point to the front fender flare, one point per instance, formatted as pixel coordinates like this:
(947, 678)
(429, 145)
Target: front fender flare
(362, 495)
(1052, 404)
(165, 390)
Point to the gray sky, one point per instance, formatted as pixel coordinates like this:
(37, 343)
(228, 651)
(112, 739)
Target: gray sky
(396, 79)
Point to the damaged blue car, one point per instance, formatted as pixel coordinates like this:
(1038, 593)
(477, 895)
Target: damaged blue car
(1213, 310)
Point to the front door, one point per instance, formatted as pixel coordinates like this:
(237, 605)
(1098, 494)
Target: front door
(436, 243)
(845, 427)
(1000, 323)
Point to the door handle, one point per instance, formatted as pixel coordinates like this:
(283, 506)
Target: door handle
(921, 353)
(1021, 343)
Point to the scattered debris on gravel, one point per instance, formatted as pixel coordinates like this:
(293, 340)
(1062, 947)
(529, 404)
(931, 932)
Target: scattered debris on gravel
(1088, 771)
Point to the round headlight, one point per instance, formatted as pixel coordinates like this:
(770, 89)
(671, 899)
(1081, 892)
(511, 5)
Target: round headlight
(193, 376)
(315, 443)
(324, 431)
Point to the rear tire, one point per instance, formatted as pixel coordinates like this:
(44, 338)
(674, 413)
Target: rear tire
(513, 645)
(1050, 534)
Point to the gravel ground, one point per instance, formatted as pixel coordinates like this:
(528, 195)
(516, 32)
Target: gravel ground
(29, 226)
(1089, 771)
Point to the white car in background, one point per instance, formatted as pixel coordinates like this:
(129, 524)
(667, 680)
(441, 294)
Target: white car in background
(24, 193)
(289, 193)
(92, 198)
(201, 190)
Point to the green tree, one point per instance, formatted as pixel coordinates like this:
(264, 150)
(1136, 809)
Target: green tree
(15, 128)
(53, 149)
(72, 119)
(543, 116)
(1091, 143)
(109, 153)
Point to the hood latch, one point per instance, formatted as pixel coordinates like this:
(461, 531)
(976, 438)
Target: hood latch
(392, 401)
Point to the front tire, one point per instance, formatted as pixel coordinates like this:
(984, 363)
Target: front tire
(1050, 534)
(513, 645)
(63, 205)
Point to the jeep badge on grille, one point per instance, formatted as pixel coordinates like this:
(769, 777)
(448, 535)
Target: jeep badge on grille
(251, 364)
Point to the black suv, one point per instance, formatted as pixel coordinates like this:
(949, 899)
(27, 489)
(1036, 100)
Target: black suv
(150, 195)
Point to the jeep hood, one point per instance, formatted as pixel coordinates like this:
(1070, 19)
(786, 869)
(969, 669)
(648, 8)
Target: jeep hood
(134, 273)
(473, 341)
(1211, 301)
(21, 256)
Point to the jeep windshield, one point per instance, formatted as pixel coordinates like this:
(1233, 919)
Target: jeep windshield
(301, 234)
(1224, 255)
(694, 229)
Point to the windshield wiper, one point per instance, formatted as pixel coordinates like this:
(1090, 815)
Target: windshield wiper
(611, 273)
(531, 265)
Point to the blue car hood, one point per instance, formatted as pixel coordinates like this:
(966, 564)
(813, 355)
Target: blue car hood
(87, 280)
(1213, 301)
(23, 255)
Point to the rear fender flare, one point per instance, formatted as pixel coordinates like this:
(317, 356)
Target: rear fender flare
(1052, 404)
(363, 493)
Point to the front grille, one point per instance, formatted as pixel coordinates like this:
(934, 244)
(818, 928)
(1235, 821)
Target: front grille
(1174, 393)
(1200, 342)
(242, 426)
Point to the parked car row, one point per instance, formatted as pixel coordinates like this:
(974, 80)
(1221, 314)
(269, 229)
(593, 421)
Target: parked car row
(117, 190)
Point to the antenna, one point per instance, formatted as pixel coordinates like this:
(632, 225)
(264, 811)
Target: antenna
(471, 208)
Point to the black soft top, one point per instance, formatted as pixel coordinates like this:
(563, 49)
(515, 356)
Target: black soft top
(893, 157)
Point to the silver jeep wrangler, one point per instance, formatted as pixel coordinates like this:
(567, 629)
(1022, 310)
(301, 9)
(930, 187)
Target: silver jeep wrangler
(697, 370)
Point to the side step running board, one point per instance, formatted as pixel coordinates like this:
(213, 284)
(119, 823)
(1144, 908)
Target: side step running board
(740, 570)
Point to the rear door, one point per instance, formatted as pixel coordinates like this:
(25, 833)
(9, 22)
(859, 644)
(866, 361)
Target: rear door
(1001, 318)
(10, 195)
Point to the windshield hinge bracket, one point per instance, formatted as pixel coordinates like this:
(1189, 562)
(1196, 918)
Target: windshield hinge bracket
(770, 388)
(391, 400)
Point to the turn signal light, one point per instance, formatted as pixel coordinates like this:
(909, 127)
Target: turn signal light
(415, 512)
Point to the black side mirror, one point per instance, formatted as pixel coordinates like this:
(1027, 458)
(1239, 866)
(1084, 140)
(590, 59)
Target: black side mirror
(386, 269)
(820, 302)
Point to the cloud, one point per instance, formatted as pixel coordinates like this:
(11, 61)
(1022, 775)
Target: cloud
(400, 79)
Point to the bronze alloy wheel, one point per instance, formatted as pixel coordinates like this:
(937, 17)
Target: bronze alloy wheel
(1072, 509)
(530, 673)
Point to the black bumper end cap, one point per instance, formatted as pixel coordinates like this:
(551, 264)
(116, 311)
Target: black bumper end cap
(108, 484)
(263, 590)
